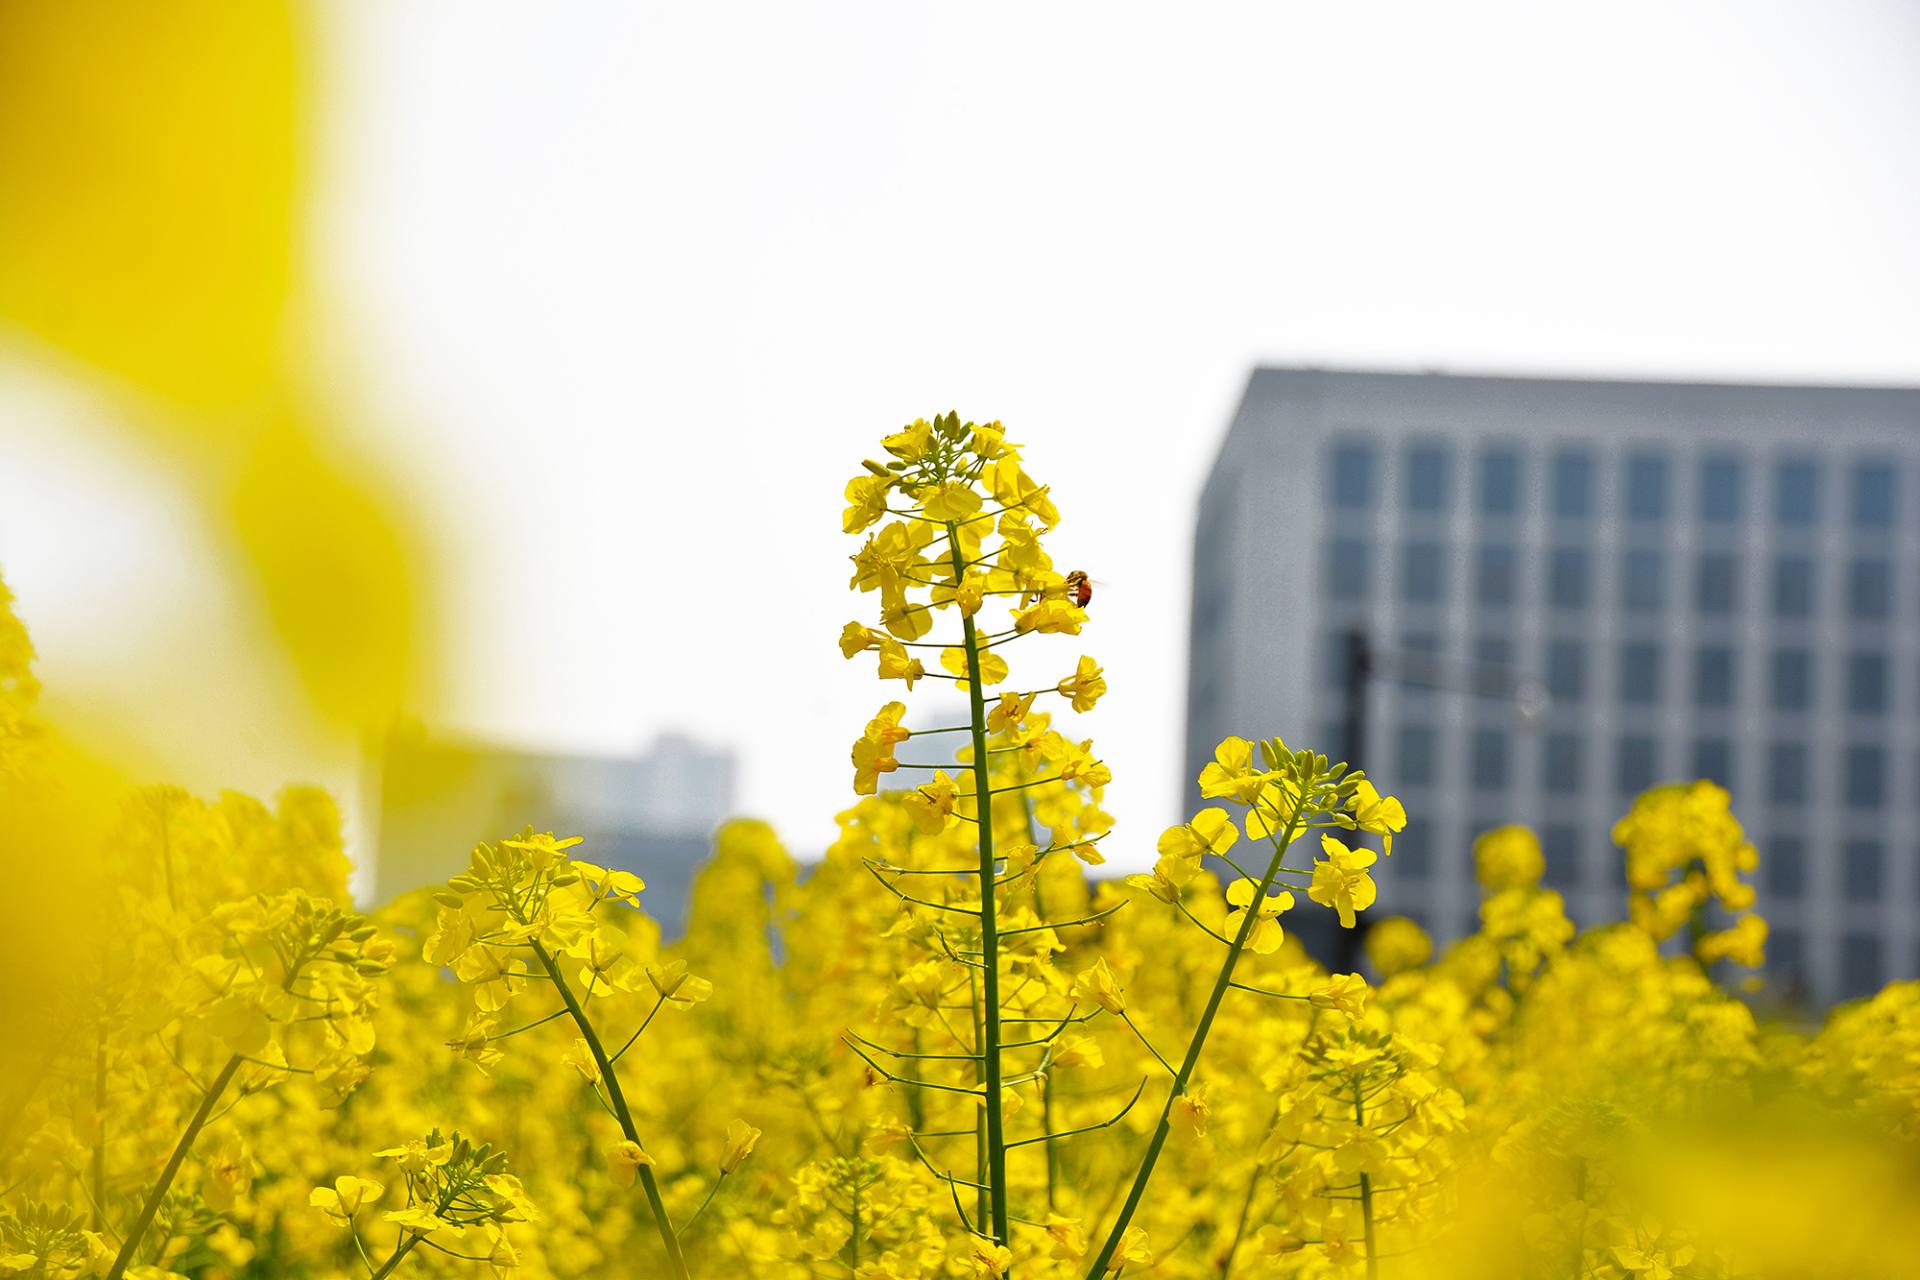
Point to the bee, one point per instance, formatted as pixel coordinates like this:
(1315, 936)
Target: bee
(1079, 588)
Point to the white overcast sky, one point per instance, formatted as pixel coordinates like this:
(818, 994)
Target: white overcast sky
(628, 291)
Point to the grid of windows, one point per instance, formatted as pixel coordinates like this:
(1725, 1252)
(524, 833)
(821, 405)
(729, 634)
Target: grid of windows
(1679, 597)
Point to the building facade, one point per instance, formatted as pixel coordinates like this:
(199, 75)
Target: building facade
(1712, 581)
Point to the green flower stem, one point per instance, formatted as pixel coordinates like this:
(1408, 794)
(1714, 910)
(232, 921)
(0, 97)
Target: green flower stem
(1366, 1192)
(152, 1206)
(1194, 1047)
(989, 1046)
(400, 1251)
(620, 1111)
(712, 1191)
(1240, 1225)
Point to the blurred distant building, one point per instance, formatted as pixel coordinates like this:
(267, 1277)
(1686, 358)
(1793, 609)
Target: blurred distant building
(1702, 580)
(653, 813)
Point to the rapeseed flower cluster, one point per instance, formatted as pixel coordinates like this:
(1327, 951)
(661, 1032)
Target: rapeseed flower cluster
(953, 1048)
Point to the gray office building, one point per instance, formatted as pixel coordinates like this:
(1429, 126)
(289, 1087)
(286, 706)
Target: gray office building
(1567, 591)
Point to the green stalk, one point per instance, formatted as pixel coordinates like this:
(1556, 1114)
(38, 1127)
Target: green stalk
(174, 1161)
(620, 1112)
(393, 1259)
(1199, 1041)
(989, 923)
(99, 1162)
(1366, 1190)
(1240, 1226)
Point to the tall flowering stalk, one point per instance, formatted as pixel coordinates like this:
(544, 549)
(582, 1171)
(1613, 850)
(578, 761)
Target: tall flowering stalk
(525, 911)
(960, 524)
(288, 990)
(1287, 794)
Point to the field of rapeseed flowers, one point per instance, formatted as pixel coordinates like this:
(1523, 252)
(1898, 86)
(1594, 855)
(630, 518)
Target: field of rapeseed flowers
(951, 1049)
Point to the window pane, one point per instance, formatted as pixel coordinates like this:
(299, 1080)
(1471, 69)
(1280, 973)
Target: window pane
(1566, 670)
(1713, 760)
(1635, 764)
(1347, 569)
(1560, 844)
(1423, 664)
(1643, 586)
(1783, 867)
(1499, 482)
(1561, 764)
(1573, 484)
(1352, 476)
(1787, 773)
(1427, 478)
(1494, 576)
(1336, 651)
(1716, 582)
(1796, 492)
(1494, 652)
(1413, 849)
(1489, 759)
(1862, 870)
(1870, 587)
(1720, 484)
(1792, 680)
(1867, 683)
(1639, 673)
(1875, 496)
(1863, 777)
(1646, 487)
(1792, 586)
(1860, 965)
(1567, 578)
(1713, 676)
(1422, 573)
(1413, 756)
